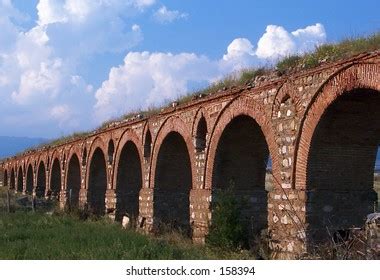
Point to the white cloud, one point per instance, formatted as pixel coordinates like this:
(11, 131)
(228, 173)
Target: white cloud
(42, 72)
(163, 15)
(278, 42)
(39, 66)
(143, 3)
(60, 112)
(147, 79)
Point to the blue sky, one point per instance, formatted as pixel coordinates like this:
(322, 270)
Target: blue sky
(68, 65)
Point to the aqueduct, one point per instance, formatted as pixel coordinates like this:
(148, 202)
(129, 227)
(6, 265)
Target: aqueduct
(320, 128)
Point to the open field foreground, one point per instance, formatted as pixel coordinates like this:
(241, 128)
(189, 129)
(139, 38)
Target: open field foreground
(26, 235)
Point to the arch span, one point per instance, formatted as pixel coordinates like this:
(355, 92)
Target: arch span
(240, 166)
(341, 163)
(173, 182)
(41, 180)
(73, 181)
(55, 178)
(20, 180)
(97, 182)
(13, 180)
(29, 179)
(128, 181)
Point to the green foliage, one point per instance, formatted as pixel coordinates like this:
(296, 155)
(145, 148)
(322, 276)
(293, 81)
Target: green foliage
(226, 230)
(287, 63)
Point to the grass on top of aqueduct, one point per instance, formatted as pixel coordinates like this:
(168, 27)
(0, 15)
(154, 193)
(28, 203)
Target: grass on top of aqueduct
(28, 235)
(322, 54)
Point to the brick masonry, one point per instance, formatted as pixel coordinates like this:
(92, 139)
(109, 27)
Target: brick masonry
(320, 128)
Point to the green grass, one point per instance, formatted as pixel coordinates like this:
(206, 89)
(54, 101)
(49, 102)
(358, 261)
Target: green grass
(37, 235)
(329, 53)
(26, 235)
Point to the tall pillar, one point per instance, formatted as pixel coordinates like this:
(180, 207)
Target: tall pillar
(286, 205)
(145, 220)
(200, 201)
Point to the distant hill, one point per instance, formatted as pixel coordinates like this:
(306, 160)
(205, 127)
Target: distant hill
(11, 145)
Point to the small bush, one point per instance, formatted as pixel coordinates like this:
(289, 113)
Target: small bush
(226, 230)
(287, 63)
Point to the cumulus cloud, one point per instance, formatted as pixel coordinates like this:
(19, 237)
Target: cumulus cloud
(278, 42)
(147, 79)
(42, 69)
(39, 67)
(163, 15)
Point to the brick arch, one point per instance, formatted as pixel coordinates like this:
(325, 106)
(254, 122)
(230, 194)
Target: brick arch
(73, 177)
(29, 182)
(54, 155)
(6, 176)
(74, 150)
(97, 143)
(20, 167)
(344, 80)
(287, 91)
(128, 135)
(201, 112)
(172, 181)
(12, 177)
(147, 127)
(128, 174)
(171, 124)
(41, 162)
(96, 191)
(242, 105)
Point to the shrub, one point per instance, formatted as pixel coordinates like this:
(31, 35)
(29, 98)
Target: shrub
(226, 230)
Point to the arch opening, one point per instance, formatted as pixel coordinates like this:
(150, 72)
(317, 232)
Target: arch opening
(84, 157)
(129, 182)
(341, 164)
(97, 183)
(20, 180)
(29, 180)
(55, 179)
(172, 183)
(111, 151)
(200, 137)
(5, 179)
(73, 182)
(13, 180)
(242, 169)
(41, 180)
(148, 144)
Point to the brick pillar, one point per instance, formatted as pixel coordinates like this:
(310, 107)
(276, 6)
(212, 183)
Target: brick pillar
(145, 220)
(83, 189)
(47, 186)
(111, 203)
(34, 183)
(200, 214)
(286, 223)
(286, 205)
(200, 200)
(24, 183)
(62, 193)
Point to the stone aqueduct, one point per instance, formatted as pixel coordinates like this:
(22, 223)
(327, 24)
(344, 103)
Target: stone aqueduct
(320, 127)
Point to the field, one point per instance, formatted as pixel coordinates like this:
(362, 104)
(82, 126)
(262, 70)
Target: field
(44, 235)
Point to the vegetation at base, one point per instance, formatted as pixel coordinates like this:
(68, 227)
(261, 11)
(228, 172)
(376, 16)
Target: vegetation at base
(324, 53)
(226, 230)
(59, 235)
